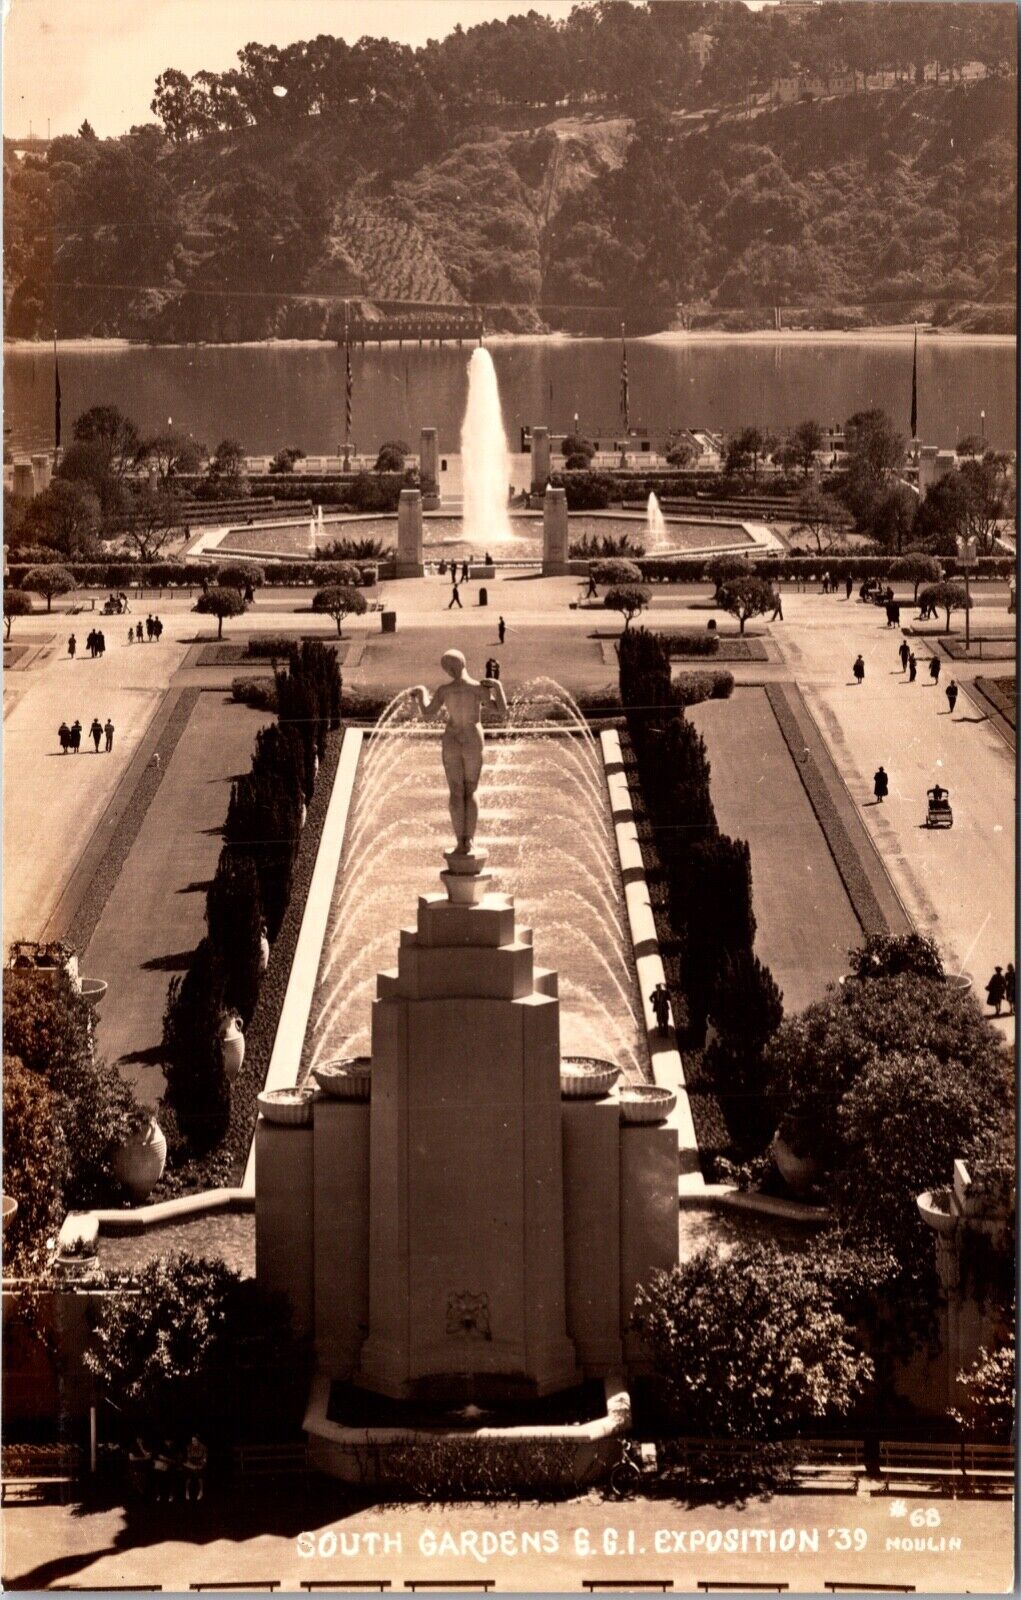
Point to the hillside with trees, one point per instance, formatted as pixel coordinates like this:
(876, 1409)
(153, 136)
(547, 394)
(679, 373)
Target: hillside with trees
(690, 162)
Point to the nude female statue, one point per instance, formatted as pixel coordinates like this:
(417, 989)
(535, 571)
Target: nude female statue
(462, 699)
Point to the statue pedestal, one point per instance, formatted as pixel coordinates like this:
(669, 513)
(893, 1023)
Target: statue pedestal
(466, 1200)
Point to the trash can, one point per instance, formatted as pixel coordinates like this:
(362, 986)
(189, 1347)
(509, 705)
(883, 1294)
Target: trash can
(483, 597)
(389, 621)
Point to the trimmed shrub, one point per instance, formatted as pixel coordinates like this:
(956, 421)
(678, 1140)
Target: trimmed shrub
(630, 602)
(340, 600)
(239, 574)
(234, 919)
(35, 1165)
(691, 644)
(263, 821)
(17, 603)
(275, 646)
(746, 1008)
(197, 1090)
(49, 581)
(220, 603)
(586, 491)
(690, 688)
(258, 693)
(615, 571)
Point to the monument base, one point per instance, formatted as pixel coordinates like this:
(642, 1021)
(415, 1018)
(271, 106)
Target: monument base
(410, 569)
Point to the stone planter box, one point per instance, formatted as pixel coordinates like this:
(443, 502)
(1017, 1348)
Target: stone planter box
(643, 1103)
(348, 1078)
(291, 1107)
(935, 1210)
(585, 1078)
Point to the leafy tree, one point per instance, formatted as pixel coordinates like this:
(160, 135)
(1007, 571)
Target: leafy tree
(284, 459)
(746, 1009)
(263, 822)
(173, 454)
(746, 597)
(942, 514)
(803, 442)
(240, 574)
(988, 499)
(682, 453)
(947, 596)
(392, 455)
(722, 569)
(115, 435)
(750, 1346)
(66, 515)
(197, 1349)
(227, 463)
(17, 603)
(816, 514)
(48, 1025)
(916, 568)
(340, 601)
(629, 601)
(887, 955)
(35, 1165)
(989, 1390)
(893, 517)
(748, 446)
(234, 919)
(575, 445)
(152, 518)
(220, 603)
(48, 581)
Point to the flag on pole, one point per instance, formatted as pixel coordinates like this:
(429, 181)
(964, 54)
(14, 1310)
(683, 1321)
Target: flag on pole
(625, 398)
(348, 390)
(914, 389)
(56, 394)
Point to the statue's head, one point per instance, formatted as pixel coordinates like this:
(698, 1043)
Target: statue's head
(453, 664)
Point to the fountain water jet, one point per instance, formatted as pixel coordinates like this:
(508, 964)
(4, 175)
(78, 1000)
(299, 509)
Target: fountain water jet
(485, 458)
(658, 537)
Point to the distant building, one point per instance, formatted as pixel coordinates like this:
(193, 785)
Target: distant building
(701, 46)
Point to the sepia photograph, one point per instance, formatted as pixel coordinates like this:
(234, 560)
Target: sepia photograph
(509, 1068)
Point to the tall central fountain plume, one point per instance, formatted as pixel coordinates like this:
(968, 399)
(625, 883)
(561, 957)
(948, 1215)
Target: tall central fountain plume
(657, 537)
(485, 458)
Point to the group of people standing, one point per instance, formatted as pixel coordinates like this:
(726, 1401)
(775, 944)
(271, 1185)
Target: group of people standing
(160, 1472)
(70, 735)
(1002, 987)
(95, 644)
(153, 630)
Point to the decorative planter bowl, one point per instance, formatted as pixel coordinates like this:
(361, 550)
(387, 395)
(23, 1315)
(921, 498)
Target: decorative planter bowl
(10, 1209)
(586, 1078)
(290, 1106)
(643, 1102)
(346, 1078)
(93, 989)
(960, 982)
(263, 952)
(798, 1172)
(934, 1210)
(139, 1162)
(232, 1048)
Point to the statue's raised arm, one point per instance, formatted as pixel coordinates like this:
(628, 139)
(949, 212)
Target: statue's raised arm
(462, 699)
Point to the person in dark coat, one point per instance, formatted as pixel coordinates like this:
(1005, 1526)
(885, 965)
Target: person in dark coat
(465, 573)
(76, 736)
(101, 643)
(934, 666)
(904, 652)
(138, 630)
(660, 1002)
(859, 668)
(109, 731)
(952, 692)
(501, 629)
(912, 667)
(848, 586)
(64, 735)
(455, 598)
(1010, 986)
(97, 733)
(880, 785)
(72, 645)
(157, 629)
(996, 988)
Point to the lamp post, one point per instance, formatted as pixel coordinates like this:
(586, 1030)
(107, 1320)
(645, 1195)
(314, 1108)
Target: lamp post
(967, 549)
(982, 419)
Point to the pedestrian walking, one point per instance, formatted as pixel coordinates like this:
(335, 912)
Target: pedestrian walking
(880, 785)
(1010, 986)
(76, 736)
(443, 567)
(455, 598)
(148, 627)
(848, 586)
(157, 629)
(131, 635)
(90, 643)
(97, 732)
(195, 1457)
(859, 668)
(825, 583)
(995, 990)
(777, 606)
(591, 590)
(101, 643)
(72, 645)
(138, 630)
(465, 573)
(904, 652)
(934, 666)
(659, 999)
(951, 694)
(109, 730)
(501, 629)
(64, 735)
(912, 667)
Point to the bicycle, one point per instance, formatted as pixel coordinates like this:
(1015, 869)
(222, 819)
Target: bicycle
(626, 1472)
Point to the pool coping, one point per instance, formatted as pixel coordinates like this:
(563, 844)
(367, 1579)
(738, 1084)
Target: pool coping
(667, 1066)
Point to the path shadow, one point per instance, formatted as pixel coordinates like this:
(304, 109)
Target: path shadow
(197, 886)
(213, 832)
(179, 962)
(982, 718)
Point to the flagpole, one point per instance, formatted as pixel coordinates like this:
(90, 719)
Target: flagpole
(914, 389)
(347, 390)
(56, 399)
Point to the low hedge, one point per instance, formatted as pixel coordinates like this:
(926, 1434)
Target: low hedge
(691, 688)
(692, 644)
(695, 569)
(258, 693)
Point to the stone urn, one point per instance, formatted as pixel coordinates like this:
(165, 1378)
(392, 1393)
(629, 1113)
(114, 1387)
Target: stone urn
(798, 1171)
(303, 815)
(232, 1047)
(263, 949)
(138, 1163)
(935, 1210)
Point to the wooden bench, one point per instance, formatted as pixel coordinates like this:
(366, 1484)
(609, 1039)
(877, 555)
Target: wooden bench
(831, 1464)
(884, 1588)
(30, 1473)
(238, 1585)
(708, 1584)
(989, 1466)
(658, 1585)
(482, 1585)
(310, 1585)
(270, 1460)
(921, 1463)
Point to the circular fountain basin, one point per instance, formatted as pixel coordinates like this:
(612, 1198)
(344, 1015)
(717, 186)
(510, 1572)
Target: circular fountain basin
(292, 1107)
(645, 1102)
(586, 1077)
(346, 1078)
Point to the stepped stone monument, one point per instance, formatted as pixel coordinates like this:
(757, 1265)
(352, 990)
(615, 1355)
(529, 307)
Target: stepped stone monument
(409, 534)
(466, 1233)
(540, 459)
(554, 533)
(429, 470)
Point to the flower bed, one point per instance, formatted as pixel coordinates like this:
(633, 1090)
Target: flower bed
(93, 902)
(225, 1166)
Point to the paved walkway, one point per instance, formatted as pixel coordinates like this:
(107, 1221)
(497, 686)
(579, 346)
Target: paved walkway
(295, 1537)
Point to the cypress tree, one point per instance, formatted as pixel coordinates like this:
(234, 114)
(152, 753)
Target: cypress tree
(197, 1091)
(234, 917)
